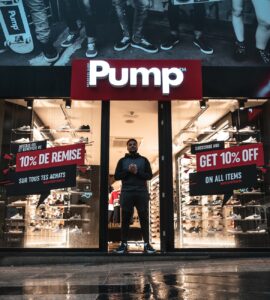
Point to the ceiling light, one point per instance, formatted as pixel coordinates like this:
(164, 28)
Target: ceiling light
(29, 103)
(202, 104)
(241, 104)
(68, 103)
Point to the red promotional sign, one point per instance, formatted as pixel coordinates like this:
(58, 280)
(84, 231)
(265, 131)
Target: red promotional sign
(136, 79)
(251, 154)
(51, 157)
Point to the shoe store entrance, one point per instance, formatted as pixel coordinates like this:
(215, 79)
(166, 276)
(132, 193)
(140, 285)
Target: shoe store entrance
(130, 180)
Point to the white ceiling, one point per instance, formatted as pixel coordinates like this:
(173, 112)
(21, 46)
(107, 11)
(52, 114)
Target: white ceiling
(129, 119)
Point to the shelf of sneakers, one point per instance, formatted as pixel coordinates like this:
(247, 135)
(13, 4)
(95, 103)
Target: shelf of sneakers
(248, 215)
(245, 135)
(46, 133)
(14, 227)
(26, 129)
(201, 215)
(52, 216)
(154, 224)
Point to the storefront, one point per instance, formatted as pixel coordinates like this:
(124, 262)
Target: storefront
(205, 131)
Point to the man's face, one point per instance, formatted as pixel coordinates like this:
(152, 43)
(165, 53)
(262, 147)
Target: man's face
(132, 147)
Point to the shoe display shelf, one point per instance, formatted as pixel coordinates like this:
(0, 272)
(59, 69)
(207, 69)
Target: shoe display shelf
(64, 135)
(154, 220)
(56, 221)
(201, 217)
(15, 221)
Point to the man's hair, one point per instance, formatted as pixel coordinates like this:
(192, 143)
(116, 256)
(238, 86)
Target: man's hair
(132, 140)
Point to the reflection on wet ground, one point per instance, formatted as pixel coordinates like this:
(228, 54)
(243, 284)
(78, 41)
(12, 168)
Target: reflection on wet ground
(188, 280)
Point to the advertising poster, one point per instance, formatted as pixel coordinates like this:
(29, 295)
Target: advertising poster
(222, 171)
(222, 181)
(42, 180)
(43, 36)
(39, 171)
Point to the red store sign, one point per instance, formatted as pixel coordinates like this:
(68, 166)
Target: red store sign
(136, 79)
(51, 157)
(251, 154)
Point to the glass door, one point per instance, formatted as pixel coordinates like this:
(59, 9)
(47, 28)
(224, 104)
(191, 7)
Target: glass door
(137, 120)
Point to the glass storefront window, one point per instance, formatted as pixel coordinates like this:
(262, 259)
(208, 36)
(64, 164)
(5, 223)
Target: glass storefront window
(65, 213)
(220, 198)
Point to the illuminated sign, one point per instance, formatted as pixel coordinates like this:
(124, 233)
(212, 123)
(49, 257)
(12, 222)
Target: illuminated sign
(136, 79)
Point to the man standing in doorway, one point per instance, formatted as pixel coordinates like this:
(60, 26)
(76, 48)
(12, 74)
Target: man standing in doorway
(134, 170)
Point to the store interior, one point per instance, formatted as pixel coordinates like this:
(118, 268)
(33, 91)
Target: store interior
(69, 217)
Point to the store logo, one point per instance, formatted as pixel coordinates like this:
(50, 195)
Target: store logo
(164, 77)
(12, 16)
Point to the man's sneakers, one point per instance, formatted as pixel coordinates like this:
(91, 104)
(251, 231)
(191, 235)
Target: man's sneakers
(49, 52)
(172, 40)
(122, 44)
(202, 45)
(144, 45)
(148, 249)
(122, 248)
(71, 38)
(91, 50)
(141, 43)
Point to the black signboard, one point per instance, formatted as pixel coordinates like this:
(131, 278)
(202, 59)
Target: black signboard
(39, 181)
(222, 181)
(196, 148)
(24, 147)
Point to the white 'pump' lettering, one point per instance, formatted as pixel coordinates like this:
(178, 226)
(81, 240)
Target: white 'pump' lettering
(164, 78)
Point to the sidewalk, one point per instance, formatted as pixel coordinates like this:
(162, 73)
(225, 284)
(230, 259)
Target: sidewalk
(188, 279)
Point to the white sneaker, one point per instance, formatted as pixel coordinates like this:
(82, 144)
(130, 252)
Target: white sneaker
(190, 141)
(246, 129)
(253, 217)
(65, 128)
(250, 140)
(62, 140)
(75, 217)
(17, 217)
(22, 140)
(234, 217)
(24, 128)
(237, 229)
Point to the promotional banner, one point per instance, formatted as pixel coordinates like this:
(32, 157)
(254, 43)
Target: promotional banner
(251, 154)
(197, 148)
(136, 79)
(38, 181)
(222, 181)
(25, 147)
(51, 157)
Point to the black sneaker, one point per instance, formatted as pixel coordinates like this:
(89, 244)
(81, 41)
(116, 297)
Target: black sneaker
(71, 38)
(170, 43)
(122, 248)
(263, 56)
(123, 44)
(201, 43)
(240, 51)
(149, 249)
(50, 53)
(144, 45)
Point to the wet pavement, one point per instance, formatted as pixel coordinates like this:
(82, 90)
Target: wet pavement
(215, 279)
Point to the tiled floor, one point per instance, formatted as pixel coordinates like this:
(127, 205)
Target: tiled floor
(215, 279)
